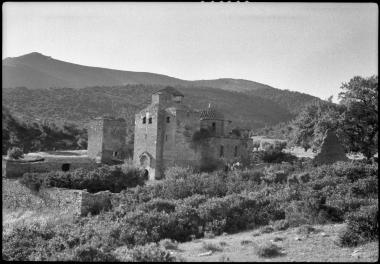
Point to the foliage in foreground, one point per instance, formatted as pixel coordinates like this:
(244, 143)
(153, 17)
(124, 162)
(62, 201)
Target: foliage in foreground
(112, 178)
(191, 205)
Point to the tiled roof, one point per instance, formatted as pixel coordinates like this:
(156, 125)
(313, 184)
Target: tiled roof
(211, 113)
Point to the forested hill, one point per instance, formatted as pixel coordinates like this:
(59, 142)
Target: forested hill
(36, 136)
(80, 105)
(37, 71)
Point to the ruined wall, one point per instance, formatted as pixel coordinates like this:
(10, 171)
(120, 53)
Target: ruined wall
(15, 169)
(95, 139)
(229, 145)
(74, 202)
(219, 126)
(114, 136)
(106, 139)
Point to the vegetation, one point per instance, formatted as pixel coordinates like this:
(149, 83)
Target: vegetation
(112, 178)
(183, 207)
(15, 153)
(268, 250)
(355, 119)
(81, 105)
(37, 136)
(191, 204)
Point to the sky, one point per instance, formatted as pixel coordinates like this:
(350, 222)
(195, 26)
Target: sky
(307, 47)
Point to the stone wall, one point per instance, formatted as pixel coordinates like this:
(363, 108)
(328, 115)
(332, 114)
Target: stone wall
(107, 139)
(95, 139)
(74, 202)
(15, 169)
(146, 138)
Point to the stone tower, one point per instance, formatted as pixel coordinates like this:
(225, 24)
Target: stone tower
(107, 139)
(163, 131)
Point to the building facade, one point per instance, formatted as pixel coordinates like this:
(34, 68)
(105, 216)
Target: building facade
(165, 135)
(107, 139)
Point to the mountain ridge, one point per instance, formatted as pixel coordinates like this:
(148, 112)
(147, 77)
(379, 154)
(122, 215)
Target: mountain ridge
(87, 90)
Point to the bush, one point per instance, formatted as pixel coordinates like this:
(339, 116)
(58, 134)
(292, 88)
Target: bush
(266, 229)
(362, 226)
(15, 153)
(280, 225)
(211, 247)
(33, 181)
(305, 229)
(169, 244)
(277, 156)
(268, 250)
(150, 253)
(110, 178)
(176, 173)
(90, 254)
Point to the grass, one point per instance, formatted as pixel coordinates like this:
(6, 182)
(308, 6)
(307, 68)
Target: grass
(314, 248)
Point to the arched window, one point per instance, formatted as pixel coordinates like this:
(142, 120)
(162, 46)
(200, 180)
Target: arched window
(144, 120)
(168, 119)
(221, 154)
(150, 120)
(213, 126)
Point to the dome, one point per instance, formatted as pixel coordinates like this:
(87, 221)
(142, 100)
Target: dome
(211, 113)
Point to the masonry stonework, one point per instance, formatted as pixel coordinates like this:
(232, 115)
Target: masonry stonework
(164, 132)
(107, 139)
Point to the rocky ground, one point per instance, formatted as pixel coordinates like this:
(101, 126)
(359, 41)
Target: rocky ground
(317, 246)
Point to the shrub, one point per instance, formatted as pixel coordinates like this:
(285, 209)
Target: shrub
(176, 173)
(277, 156)
(362, 226)
(159, 205)
(280, 225)
(111, 178)
(33, 181)
(266, 229)
(246, 242)
(268, 250)
(150, 253)
(207, 246)
(15, 153)
(89, 253)
(305, 229)
(304, 177)
(169, 244)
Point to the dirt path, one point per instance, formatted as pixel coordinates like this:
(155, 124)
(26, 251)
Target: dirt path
(318, 247)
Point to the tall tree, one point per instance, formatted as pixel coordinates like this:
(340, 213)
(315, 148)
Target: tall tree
(311, 124)
(360, 120)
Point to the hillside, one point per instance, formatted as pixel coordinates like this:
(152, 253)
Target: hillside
(37, 136)
(80, 105)
(37, 71)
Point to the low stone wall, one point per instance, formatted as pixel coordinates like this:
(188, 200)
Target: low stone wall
(75, 202)
(15, 169)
